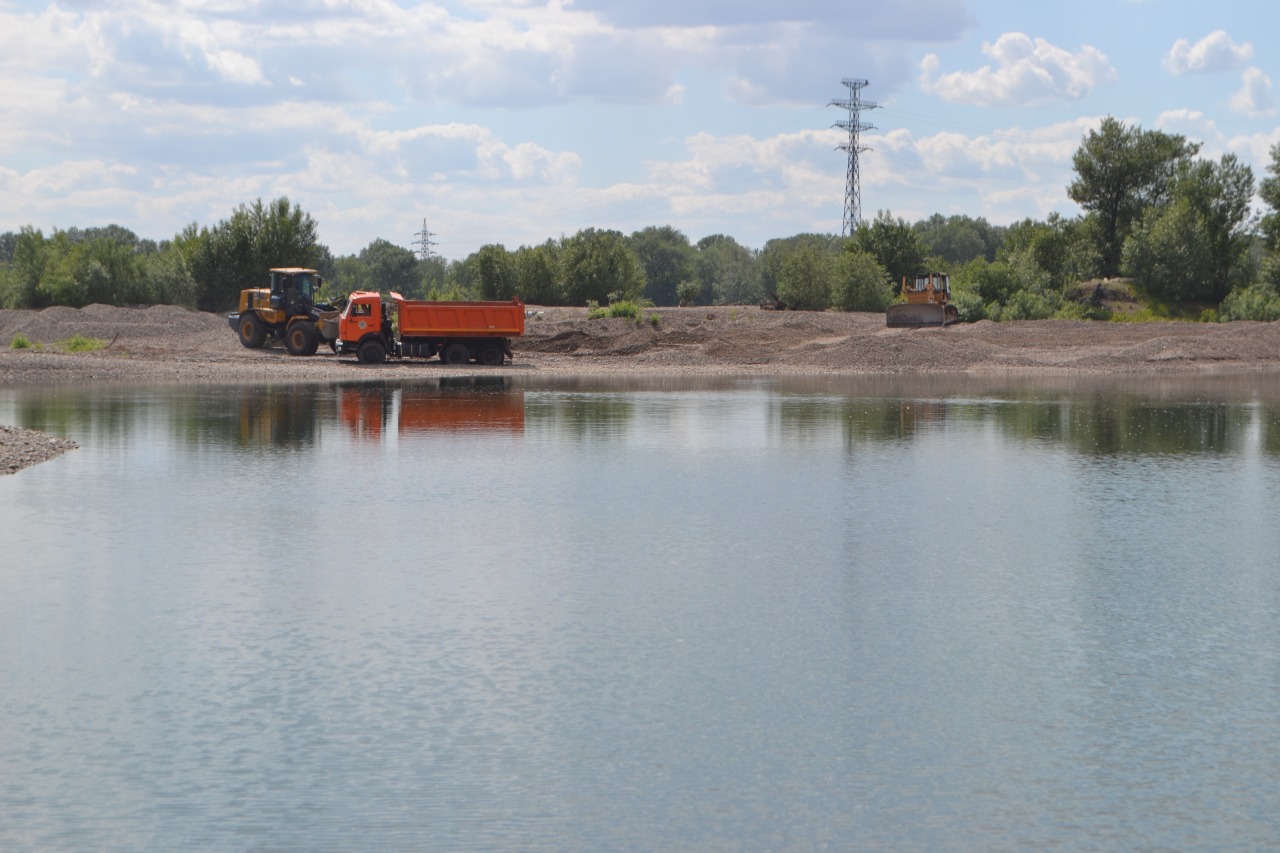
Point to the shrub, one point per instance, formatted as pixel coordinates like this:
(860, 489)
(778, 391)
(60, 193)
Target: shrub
(79, 343)
(20, 341)
(1257, 302)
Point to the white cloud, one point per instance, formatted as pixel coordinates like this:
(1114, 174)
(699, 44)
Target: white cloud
(1255, 97)
(1026, 71)
(1214, 52)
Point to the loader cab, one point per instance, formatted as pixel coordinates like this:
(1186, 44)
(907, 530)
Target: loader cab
(294, 290)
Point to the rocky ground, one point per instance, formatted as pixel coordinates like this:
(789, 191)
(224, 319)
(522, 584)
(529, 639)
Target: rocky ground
(165, 343)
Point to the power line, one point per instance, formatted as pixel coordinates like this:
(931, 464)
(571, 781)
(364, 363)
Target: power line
(854, 125)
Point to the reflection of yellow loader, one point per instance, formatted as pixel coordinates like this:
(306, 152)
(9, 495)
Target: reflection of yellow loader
(925, 302)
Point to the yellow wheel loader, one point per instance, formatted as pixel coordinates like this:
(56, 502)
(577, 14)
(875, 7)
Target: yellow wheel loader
(288, 311)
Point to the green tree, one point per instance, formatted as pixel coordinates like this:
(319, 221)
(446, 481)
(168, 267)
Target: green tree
(959, 239)
(894, 243)
(860, 283)
(495, 272)
(1064, 248)
(667, 259)
(728, 271)
(600, 266)
(1196, 247)
(388, 267)
(1120, 173)
(237, 253)
(776, 251)
(1269, 192)
(538, 269)
(807, 278)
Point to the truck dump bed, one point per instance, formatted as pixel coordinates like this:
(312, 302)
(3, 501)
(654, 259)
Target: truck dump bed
(420, 319)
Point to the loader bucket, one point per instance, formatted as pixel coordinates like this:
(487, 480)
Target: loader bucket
(328, 325)
(927, 314)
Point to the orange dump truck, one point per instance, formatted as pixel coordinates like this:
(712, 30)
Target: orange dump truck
(457, 332)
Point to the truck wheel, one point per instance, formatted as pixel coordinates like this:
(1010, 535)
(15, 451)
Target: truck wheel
(301, 338)
(455, 354)
(253, 332)
(492, 355)
(371, 352)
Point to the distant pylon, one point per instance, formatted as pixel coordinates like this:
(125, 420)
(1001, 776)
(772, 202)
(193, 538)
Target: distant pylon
(424, 243)
(854, 125)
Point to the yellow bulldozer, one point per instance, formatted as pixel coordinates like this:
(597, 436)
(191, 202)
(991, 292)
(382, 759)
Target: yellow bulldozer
(287, 310)
(925, 302)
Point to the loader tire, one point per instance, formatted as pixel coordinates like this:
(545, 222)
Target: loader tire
(301, 338)
(253, 332)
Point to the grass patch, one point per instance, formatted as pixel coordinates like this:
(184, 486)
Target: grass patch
(625, 308)
(21, 341)
(79, 343)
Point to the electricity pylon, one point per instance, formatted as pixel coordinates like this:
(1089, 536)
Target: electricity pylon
(854, 125)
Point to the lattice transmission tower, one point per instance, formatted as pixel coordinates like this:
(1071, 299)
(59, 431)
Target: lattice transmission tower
(854, 125)
(424, 243)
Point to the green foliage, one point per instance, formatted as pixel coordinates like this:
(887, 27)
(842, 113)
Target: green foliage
(103, 265)
(237, 253)
(626, 308)
(599, 264)
(895, 245)
(1195, 246)
(1120, 172)
(1168, 253)
(776, 252)
(495, 270)
(79, 343)
(1269, 192)
(20, 341)
(384, 267)
(860, 283)
(729, 272)
(666, 258)
(959, 239)
(1257, 302)
(807, 278)
(539, 273)
(688, 291)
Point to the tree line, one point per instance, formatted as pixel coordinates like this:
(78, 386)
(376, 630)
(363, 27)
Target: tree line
(1177, 225)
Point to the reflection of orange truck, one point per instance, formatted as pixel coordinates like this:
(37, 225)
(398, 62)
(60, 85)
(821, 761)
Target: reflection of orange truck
(368, 412)
(458, 332)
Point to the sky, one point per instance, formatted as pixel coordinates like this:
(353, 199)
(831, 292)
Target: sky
(519, 121)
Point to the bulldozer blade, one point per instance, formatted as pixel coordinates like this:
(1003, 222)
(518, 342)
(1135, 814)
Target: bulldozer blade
(909, 315)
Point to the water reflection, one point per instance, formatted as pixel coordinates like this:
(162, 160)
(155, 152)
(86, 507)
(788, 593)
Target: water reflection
(470, 404)
(1094, 417)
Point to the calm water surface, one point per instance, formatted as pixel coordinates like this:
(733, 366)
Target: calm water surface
(718, 615)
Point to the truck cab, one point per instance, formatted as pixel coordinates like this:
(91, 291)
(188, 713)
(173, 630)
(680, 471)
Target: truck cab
(364, 328)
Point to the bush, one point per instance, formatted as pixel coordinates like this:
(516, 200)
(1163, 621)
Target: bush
(79, 343)
(1256, 302)
(20, 341)
(625, 308)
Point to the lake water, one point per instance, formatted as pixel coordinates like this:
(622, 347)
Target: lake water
(734, 614)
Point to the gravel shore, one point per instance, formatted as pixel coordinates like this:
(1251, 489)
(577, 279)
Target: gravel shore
(165, 343)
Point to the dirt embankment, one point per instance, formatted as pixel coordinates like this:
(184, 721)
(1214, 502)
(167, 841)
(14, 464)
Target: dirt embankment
(168, 343)
(165, 343)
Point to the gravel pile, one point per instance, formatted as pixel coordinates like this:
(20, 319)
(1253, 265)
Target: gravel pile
(22, 448)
